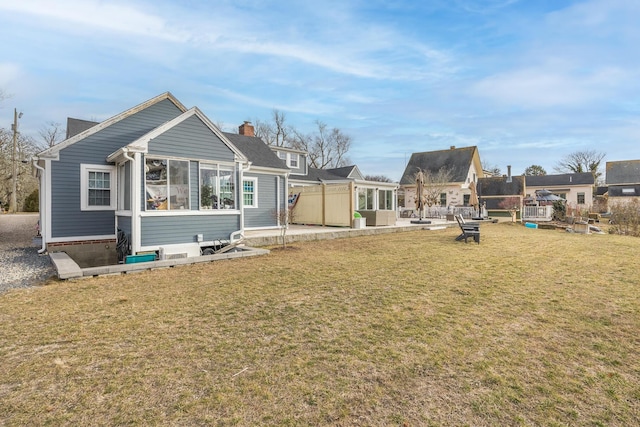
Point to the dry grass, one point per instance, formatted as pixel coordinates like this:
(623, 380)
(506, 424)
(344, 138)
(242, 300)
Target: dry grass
(532, 327)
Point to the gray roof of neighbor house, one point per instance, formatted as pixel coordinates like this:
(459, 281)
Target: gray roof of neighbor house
(458, 160)
(629, 190)
(76, 126)
(498, 186)
(585, 178)
(623, 172)
(255, 149)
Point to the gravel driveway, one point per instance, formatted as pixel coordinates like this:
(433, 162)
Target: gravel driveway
(20, 264)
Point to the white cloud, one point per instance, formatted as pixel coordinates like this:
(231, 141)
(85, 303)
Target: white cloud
(9, 72)
(484, 6)
(109, 16)
(539, 87)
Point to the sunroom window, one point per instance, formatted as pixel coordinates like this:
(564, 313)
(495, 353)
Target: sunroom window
(365, 198)
(217, 187)
(167, 184)
(385, 200)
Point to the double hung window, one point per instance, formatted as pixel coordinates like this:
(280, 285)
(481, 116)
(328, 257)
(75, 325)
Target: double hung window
(98, 187)
(249, 192)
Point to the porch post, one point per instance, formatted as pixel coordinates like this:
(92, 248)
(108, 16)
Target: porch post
(136, 191)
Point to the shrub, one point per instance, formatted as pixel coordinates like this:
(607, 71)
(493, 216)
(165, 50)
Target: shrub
(559, 210)
(32, 202)
(625, 218)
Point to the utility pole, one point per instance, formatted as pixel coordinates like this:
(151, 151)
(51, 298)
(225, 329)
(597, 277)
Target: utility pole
(13, 204)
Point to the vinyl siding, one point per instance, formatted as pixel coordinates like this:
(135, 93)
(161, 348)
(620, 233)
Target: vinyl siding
(166, 230)
(264, 214)
(191, 139)
(124, 224)
(67, 220)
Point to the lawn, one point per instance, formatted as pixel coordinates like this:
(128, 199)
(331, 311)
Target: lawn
(531, 327)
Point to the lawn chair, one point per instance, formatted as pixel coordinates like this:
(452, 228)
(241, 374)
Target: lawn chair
(469, 229)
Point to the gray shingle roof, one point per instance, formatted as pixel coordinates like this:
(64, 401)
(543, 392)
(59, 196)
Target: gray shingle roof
(631, 190)
(498, 186)
(458, 160)
(623, 172)
(585, 178)
(258, 153)
(76, 126)
(316, 175)
(343, 171)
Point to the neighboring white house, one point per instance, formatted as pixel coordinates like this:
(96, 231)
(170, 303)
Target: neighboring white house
(575, 188)
(463, 164)
(623, 181)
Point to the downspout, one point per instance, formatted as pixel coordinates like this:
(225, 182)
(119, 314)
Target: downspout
(286, 198)
(43, 212)
(278, 195)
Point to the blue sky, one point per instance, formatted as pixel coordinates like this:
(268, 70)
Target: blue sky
(527, 81)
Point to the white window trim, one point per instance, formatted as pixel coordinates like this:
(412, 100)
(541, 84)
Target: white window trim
(84, 187)
(218, 167)
(168, 185)
(290, 159)
(255, 192)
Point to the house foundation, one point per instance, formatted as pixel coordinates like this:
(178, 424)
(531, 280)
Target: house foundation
(89, 253)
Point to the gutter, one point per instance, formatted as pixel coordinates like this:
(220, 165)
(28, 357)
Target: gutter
(135, 212)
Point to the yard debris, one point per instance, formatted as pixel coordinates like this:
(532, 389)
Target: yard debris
(239, 372)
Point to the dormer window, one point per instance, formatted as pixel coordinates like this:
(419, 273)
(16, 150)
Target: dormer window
(628, 191)
(293, 160)
(289, 159)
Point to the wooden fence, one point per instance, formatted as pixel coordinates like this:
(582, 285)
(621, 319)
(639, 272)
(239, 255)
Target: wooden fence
(324, 204)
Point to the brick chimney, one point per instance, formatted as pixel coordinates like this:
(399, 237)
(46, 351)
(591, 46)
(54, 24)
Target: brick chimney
(246, 129)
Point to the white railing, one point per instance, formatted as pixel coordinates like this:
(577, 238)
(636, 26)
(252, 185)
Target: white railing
(537, 213)
(441, 212)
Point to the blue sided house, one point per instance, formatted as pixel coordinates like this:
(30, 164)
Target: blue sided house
(155, 178)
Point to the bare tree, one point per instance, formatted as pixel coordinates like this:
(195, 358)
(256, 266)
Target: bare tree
(582, 161)
(378, 178)
(277, 132)
(52, 133)
(492, 170)
(435, 183)
(327, 148)
(535, 170)
(25, 181)
(284, 217)
(511, 204)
